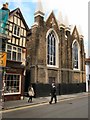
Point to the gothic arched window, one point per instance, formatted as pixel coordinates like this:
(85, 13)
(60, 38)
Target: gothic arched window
(51, 49)
(75, 53)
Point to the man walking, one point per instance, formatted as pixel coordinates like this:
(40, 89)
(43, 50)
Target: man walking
(53, 93)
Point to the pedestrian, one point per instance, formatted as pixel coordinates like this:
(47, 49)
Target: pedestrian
(53, 93)
(31, 93)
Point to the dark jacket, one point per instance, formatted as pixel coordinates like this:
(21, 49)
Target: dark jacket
(53, 90)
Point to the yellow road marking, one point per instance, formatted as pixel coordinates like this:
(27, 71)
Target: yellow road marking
(40, 104)
(20, 108)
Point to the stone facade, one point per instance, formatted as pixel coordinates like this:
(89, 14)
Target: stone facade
(63, 73)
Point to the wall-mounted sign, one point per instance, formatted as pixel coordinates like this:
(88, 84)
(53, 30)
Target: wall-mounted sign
(3, 57)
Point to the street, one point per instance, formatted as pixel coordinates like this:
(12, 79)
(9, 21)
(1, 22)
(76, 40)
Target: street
(77, 108)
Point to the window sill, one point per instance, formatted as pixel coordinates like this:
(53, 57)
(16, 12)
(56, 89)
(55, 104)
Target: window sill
(77, 70)
(52, 66)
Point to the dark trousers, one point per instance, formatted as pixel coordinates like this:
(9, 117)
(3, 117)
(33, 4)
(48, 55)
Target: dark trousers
(30, 99)
(55, 98)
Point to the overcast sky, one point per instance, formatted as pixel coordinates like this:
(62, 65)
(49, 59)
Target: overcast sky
(75, 10)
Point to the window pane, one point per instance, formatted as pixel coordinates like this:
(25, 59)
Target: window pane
(14, 77)
(18, 77)
(51, 49)
(50, 52)
(14, 55)
(48, 59)
(19, 57)
(8, 54)
(15, 30)
(48, 39)
(19, 54)
(18, 31)
(9, 47)
(14, 48)
(11, 83)
(19, 49)
(54, 61)
(75, 55)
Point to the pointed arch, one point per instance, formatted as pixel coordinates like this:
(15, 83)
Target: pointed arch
(52, 41)
(76, 55)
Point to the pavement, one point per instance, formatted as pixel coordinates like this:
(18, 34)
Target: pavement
(22, 103)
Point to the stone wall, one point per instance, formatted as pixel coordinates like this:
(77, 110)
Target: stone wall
(37, 51)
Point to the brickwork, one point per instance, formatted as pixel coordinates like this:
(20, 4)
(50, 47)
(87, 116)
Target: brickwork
(37, 50)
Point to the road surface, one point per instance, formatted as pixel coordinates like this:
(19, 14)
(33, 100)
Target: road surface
(77, 108)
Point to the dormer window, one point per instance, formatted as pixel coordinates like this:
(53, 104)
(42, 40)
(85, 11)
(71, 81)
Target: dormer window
(16, 30)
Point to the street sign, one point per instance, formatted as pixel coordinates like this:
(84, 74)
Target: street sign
(3, 56)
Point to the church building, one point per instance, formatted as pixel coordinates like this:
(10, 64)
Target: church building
(55, 52)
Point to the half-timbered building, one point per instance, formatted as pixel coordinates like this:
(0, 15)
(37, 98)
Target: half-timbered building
(16, 56)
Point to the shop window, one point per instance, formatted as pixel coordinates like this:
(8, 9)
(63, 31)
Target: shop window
(12, 83)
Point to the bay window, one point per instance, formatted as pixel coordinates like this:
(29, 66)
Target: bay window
(14, 53)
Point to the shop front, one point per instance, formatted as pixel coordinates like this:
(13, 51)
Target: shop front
(14, 83)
